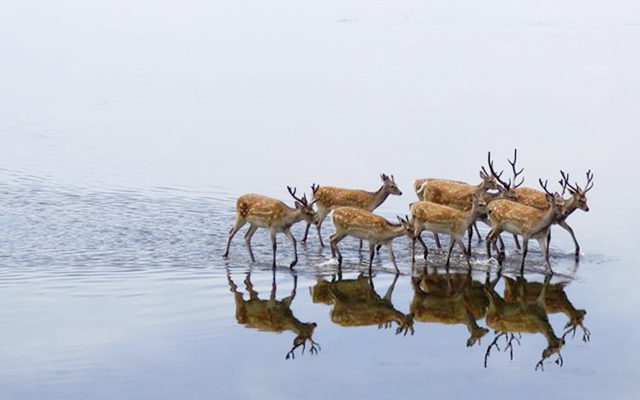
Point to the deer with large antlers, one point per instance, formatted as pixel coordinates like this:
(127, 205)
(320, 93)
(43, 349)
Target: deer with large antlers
(272, 315)
(521, 316)
(364, 225)
(265, 212)
(327, 198)
(528, 222)
(437, 218)
(458, 194)
(578, 200)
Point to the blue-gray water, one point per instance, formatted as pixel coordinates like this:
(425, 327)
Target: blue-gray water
(128, 130)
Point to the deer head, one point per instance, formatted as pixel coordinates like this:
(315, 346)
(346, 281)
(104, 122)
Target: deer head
(303, 337)
(301, 204)
(579, 194)
(389, 185)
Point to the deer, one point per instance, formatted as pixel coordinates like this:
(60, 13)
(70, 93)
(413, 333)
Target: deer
(437, 218)
(327, 198)
(274, 215)
(450, 299)
(519, 219)
(556, 301)
(458, 194)
(356, 303)
(578, 200)
(520, 316)
(272, 315)
(364, 225)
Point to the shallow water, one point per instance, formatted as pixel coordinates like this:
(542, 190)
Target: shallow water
(112, 293)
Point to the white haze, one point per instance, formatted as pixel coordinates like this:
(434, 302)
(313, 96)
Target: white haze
(257, 95)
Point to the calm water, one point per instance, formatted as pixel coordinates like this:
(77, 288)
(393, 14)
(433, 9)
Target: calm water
(124, 294)
(127, 131)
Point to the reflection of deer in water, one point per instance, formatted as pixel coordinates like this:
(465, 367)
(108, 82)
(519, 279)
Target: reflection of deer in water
(450, 299)
(272, 315)
(356, 303)
(517, 316)
(556, 300)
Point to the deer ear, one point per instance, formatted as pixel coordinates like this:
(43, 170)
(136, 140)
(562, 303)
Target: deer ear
(298, 205)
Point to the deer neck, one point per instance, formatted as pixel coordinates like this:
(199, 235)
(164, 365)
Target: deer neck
(570, 206)
(393, 232)
(379, 197)
(293, 215)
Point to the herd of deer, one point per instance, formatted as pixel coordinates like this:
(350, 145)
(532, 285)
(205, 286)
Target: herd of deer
(444, 207)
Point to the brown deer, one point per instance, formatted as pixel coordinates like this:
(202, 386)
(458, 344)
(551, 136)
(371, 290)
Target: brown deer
(519, 219)
(356, 303)
(556, 300)
(272, 315)
(521, 316)
(450, 299)
(437, 218)
(265, 212)
(578, 200)
(327, 198)
(364, 225)
(458, 194)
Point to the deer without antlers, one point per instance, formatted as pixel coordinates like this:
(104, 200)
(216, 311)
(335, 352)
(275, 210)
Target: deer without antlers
(439, 218)
(264, 212)
(365, 225)
(327, 198)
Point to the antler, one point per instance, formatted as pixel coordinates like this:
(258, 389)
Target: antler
(302, 200)
(497, 176)
(315, 347)
(494, 343)
(314, 188)
(586, 335)
(540, 363)
(589, 181)
(544, 186)
(513, 167)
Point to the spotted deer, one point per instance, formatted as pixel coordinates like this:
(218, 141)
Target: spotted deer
(450, 299)
(458, 194)
(327, 198)
(528, 222)
(578, 200)
(356, 303)
(265, 212)
(272, 315)
(508, 318)
(437, 218)
(364, 225)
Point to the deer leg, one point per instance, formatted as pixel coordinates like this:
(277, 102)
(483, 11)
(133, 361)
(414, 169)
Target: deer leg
(464, 251)
(333, 241)
(253, 295)
(573, 236)
(515, 239)
(295, 251)
(306, 232)
(475, 226)
(451, 242)
(542, 241)
(320, 216)
(470, 234)
(413, 250)
(372, 248)
(525, 248)
(437, 239)
(247, 240)
(273, 244)
(490, 238)
(239, 224)
(424, 246)
(391, 256)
